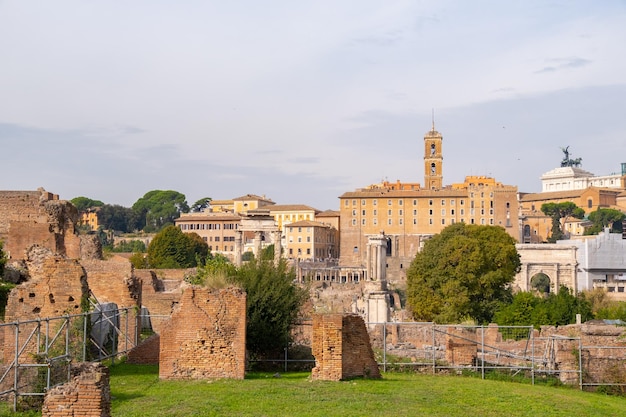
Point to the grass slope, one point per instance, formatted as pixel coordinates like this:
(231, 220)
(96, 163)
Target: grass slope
(137, 391)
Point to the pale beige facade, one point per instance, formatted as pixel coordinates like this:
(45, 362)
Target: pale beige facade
(218, 230)
(408, 214)
(311, 240)
(537, 227)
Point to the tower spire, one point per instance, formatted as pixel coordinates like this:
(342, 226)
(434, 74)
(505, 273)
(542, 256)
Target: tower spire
(433, 119)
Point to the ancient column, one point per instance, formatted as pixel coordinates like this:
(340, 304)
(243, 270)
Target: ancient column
(238, 247)
(277, 246)
(257, 243)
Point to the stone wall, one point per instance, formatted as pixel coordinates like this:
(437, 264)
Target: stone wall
(113, 281)
(38, 217)
(88, 394)
(160, 294)
(57, 287)
(461, 346)
(206, 336)
(341, 347)
(146, 352)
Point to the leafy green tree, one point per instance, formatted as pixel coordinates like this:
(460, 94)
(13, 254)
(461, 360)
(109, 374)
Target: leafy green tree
(83, 204)
(201, 204)
(118, 218)
(528, 309)
(171, 248)
(560, 213)
(463, 272)
(273, 304)
(160, 208)
(603, 218)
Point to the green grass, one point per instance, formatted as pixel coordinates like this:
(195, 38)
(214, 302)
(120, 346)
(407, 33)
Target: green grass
(137, 391)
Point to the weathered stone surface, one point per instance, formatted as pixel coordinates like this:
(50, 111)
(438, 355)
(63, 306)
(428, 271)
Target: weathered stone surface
(38, 217)
(88, 394)
(206, 336)
(341, 347)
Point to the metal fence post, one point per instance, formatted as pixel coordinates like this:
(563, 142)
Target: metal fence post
(385, 346)
(482, 351)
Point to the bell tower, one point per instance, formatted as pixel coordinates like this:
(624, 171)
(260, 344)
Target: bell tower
(433, 159)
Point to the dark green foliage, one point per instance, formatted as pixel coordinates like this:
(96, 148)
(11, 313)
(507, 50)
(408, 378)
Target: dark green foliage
(267, 253)
(273, 304)
(119, 218)
(528, 309)
(541, 283)
(82, 204)
(171, 248)
(463, 272)
(604, 217)
(201, 204)
(3, 260)
(216, 266)
(247, 256)
(160, 208)
(560, 212)
(130, 246)
(5, 289)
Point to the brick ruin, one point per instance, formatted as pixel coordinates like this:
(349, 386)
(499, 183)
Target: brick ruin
(206, 336)
(87, 394)
(39, 217)
(160, 294)
(342, 349)
(113, 281)
(461, 346)
(57, 287)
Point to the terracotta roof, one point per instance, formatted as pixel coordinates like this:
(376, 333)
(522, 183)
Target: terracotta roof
(328, 213)
(292, 207)
(205, 217)
(423, 193)
(306, 223)
(554, 195)
(253, 197)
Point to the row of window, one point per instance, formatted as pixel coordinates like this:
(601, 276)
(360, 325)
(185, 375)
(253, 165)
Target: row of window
(452, 202)
(209, 226)
(430, 212)
(225, 248)
(430, 221)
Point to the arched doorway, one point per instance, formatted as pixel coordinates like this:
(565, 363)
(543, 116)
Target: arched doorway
(389, 246)
(541, 283)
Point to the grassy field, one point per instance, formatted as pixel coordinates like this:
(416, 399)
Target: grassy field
(137, 391)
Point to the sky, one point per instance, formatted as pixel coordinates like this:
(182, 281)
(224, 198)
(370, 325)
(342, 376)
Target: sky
(301, 101)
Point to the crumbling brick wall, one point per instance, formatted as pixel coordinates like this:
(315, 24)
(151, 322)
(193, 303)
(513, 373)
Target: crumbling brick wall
(57, 287)
(113, 281)
(159, 295)
(88, 394)
(206, 336)
(38, 217)
(342, 349)
(461, 346)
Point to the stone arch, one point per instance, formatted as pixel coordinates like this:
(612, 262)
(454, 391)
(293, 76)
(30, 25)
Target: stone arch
(540, 282)
(556, 261)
